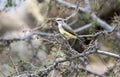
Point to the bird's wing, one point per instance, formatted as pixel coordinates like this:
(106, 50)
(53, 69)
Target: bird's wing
(68, 29)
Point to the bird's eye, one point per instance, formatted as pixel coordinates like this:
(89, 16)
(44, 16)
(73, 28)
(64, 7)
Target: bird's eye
(59, 20)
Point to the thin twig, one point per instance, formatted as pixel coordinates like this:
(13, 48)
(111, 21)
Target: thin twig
(3, 74)
(75, 12)
(15, 67)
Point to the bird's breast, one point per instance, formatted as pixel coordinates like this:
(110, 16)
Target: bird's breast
(65, 33)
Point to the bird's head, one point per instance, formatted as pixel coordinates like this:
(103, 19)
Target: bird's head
(60, 20)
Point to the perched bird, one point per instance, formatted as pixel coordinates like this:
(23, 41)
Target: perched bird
(65, 29)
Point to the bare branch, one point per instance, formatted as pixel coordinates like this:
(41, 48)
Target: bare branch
(108, 54)
(83, 28)
(27, 37)
(94, 35)
(102, 23)
(72, 6)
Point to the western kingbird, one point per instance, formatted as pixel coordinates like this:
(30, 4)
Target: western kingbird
(65, 29)
(67, 32)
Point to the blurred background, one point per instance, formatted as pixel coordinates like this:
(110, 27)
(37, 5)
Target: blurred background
(20, 18)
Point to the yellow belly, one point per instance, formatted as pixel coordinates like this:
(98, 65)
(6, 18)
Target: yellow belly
(66, 34)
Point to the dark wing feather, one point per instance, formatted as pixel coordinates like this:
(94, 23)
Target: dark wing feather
(68, 29)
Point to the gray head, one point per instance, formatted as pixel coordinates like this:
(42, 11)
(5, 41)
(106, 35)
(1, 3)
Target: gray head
(60, 20)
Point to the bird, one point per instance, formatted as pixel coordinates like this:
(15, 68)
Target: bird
(65, 29)
(73, 39)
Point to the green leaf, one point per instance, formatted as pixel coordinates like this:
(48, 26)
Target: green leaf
(94, 24)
